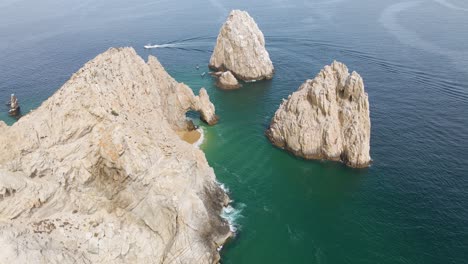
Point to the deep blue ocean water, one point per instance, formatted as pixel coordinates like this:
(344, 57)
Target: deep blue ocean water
(410, 206)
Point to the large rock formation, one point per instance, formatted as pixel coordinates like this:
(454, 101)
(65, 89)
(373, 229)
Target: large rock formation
(327, 118)
(180, 99)
(240, 48)
(97, 173)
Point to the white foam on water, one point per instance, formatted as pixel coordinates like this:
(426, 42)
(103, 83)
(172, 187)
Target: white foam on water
(223, 187)
(158, 46)
(201, 139)
(232, 214)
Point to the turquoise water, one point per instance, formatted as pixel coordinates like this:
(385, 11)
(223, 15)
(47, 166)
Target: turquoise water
(410, 206)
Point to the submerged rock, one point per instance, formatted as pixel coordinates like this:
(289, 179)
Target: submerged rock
(240, 48)
(97, 173)
(326, 118)
(227, 81)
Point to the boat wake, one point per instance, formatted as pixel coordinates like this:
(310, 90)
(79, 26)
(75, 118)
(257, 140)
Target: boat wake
(389, 19)
(202, 44)
(232, 213)
(224, 188)
(201, 139)
(169, 45)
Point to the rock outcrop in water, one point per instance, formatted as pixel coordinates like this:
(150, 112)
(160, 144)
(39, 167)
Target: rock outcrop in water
(14, 106)
(226, 80)
(97, 173)
(240, 48)
(327, 118)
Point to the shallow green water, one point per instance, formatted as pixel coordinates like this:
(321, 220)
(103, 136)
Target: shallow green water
(409, 207)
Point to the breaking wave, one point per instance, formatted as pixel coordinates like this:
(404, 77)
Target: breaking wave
(223, 187)
(232, 215)
(450, 5)
(201, 139)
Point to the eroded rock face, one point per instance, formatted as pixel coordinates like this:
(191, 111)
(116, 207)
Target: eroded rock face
(97, 175)
(326, 118)
(240, 48)
(206, 108)
(180, 99)
(226, 80)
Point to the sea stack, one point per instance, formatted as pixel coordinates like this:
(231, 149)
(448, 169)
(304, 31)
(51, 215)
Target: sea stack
(326, 118)
(97, 174)
(240, 48)
(14, 106)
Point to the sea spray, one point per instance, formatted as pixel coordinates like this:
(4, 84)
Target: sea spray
(158, 46)
(223, 187)
(232, 214)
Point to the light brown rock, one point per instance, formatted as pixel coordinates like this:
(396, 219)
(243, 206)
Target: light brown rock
(14, 106)
(97, 173)
(227, 81)
(240, 48)
(326, 118)
(181, 99)
(206, 108)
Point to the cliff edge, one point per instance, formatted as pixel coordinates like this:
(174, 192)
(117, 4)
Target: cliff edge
(97, 173)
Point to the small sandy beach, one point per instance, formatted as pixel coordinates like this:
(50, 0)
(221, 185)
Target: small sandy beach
(189, 136)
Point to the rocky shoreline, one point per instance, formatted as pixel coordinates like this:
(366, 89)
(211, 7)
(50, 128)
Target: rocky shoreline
(98, 174)
(107, 170)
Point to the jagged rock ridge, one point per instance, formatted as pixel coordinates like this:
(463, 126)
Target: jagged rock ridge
(96, 174)
(240, 48)
(326, 118)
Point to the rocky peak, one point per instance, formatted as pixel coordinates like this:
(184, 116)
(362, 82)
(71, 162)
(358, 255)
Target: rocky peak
(240, 48)
(327, 118)
(97, 173)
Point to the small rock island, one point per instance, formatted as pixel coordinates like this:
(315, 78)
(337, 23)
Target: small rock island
(98, 174)
(240, 49)
(226, 80)
(14, 106)
(326, 118)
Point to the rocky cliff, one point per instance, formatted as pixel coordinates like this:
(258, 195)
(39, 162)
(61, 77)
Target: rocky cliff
(327, 118)
(97, 173)
(240, 48)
